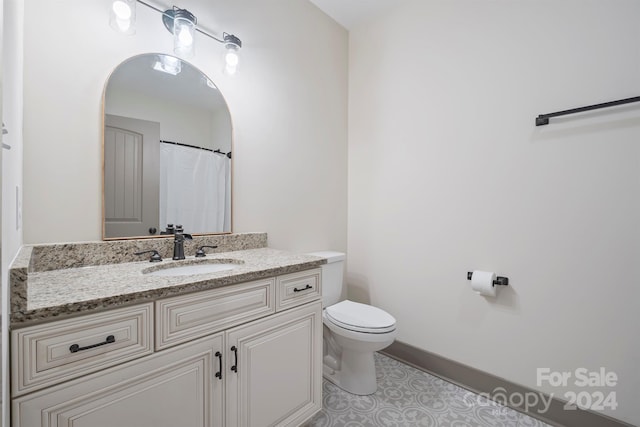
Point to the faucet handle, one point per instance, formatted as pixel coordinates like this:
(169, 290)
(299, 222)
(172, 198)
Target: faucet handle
(180, 237)
(200, 252)
(154, 258)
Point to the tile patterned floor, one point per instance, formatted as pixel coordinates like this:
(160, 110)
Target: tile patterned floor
(409, 397)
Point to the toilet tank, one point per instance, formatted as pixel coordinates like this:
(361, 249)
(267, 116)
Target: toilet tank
(332, 276)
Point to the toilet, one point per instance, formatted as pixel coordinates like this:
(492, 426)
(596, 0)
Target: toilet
(352, 332)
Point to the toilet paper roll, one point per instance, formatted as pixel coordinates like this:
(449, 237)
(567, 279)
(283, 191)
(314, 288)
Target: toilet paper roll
(482, 283)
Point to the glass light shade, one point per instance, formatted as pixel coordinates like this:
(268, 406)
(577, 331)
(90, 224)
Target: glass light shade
(231, 60)
(232, 46)
(184, 31)
(122, 17)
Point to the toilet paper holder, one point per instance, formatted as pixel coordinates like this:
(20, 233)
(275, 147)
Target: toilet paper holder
(500, 280)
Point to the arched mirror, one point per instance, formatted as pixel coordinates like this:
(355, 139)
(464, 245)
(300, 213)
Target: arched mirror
(167, 150)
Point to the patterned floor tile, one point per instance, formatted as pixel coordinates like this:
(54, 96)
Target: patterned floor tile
(408, 397)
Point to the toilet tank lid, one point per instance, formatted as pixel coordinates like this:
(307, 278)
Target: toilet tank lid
(330, 256)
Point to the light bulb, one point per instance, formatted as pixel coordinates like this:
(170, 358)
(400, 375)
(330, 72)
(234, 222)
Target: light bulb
(232, 46)
(185, 36)
(122, 10)
(232, 59)
(184, 29)
(123, 15)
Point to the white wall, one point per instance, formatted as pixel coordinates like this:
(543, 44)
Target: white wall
(447, 174)
(288, 104)
(12, 117)
(11, 113)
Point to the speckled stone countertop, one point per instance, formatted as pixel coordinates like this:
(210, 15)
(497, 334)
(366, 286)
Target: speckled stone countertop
(38, 296)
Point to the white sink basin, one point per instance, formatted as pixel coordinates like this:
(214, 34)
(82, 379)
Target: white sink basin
(187, 270)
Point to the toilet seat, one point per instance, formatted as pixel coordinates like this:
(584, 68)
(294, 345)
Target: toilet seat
(358, 317)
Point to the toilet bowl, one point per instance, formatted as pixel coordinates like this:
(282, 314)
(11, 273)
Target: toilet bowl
(352, 332)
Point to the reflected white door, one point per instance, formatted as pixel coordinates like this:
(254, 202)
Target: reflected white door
(131, 176)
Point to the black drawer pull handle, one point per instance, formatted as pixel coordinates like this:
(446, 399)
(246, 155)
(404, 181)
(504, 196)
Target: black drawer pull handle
(234, 368)
(76, 348)
(303, 289)
(219, 373)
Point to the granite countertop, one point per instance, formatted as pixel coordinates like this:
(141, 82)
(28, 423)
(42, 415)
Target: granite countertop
(46, 295)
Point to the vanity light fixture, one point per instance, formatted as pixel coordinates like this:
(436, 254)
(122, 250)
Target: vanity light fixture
(232, 44)
(123, 16)
(182, 24)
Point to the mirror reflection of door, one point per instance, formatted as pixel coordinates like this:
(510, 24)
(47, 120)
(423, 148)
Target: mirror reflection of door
(131, 171)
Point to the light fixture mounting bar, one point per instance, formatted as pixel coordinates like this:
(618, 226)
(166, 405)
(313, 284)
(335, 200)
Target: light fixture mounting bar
(162, 12)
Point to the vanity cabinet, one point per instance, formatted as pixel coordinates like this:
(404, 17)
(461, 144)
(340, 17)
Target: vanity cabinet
(174, 388)
(224, 357)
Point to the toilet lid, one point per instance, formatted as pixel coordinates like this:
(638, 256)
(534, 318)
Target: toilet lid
(361, 317)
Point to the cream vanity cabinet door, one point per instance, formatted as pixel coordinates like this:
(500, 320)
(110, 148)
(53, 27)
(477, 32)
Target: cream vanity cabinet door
(176, 387)
(273, 369)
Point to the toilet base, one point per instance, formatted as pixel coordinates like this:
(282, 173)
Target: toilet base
(348, 357)
(357, 373)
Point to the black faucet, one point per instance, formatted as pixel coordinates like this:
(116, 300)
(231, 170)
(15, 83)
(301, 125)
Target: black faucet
(178, 244)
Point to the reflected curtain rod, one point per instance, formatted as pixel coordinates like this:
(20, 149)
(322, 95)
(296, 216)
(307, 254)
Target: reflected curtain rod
(217, 150)
(543, 119)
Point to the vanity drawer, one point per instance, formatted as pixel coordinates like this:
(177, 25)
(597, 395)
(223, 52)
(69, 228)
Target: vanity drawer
(298, 288)
(53, 352)
(187, 317)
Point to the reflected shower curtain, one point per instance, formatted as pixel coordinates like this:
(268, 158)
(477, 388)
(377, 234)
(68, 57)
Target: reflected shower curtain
(195, 189)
